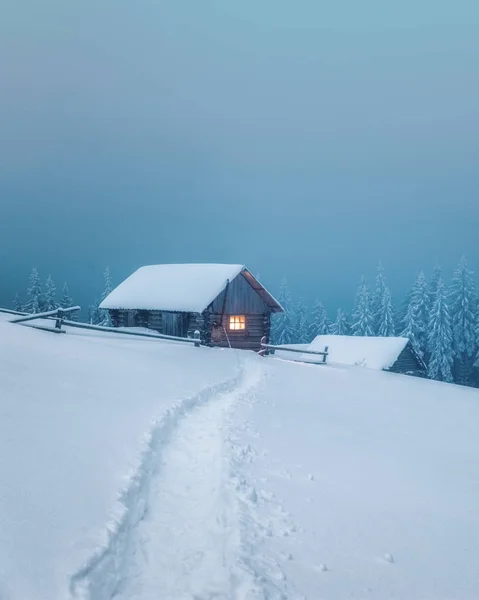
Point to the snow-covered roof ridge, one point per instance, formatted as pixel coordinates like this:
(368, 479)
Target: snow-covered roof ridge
(178, 287)
(372, 352)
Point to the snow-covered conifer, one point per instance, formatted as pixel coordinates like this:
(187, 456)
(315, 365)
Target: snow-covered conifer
(432, 287)
(377, 299)
(440, 338)
(17, 303)
(66, 302)
(362, 316)
(416, 320)
(341, 326)
(302, 325)
(50, 302)
(386, 321)
(463, 307)
(105, 314)
(283, 328)
(34, 293)
(319, 321)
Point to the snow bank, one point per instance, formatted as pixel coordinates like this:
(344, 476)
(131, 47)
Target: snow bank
(182, 288)
(372, 352)
(78, 412)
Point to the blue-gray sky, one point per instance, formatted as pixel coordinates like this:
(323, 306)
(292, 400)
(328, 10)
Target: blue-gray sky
(304, 138)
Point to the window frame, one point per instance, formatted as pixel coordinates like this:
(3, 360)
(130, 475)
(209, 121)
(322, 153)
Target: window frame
(237, 320)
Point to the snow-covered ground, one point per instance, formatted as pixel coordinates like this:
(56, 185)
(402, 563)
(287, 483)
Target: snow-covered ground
(143, 469)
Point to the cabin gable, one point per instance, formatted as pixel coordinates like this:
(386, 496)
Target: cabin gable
(241, 298)
(409, 363)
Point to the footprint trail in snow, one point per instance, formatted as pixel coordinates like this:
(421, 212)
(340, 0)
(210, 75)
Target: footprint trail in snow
(186, 545)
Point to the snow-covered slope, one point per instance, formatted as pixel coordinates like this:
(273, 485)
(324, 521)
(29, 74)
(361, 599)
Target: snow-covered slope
(145, 469)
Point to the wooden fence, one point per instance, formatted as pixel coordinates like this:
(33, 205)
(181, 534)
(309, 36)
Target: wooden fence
(59, 314)
(271, 349)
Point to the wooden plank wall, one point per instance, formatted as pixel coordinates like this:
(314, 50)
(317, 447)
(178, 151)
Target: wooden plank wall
(241, 299)
(408, 363)
(248, 339)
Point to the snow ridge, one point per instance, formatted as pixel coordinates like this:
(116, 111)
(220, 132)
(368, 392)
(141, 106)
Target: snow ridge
(100, 577)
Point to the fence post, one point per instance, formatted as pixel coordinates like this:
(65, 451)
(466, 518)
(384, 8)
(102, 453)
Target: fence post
(326, 348)
(196, 337)
(262, 351)
(59, 320)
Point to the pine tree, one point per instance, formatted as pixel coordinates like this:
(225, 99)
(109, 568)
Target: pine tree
(463, 305)
(362, 317)
(50, 302)
(105, 319)
(341, 326)
(432, 288)
(302, 325)
(67, 302)
(94, 314)
(415, 324)
(386, 321)
(283, 330)
(378, 299)
(17, 304)
(34, 293)
(440, 337)
(319, 321)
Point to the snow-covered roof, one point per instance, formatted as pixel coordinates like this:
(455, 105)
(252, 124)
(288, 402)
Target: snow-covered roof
(179, 288)
(372, 352)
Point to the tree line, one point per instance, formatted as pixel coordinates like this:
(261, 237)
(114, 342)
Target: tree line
(441, 321)
(42, 297)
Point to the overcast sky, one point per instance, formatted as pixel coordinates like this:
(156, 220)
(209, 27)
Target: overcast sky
(303, 138)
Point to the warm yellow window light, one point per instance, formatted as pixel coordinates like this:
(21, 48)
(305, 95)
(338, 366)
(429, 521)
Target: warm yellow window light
(237, 322)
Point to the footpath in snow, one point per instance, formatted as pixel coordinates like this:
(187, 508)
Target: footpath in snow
(182, 539)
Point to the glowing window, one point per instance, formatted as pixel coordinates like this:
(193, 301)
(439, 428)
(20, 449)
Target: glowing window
(237, 322)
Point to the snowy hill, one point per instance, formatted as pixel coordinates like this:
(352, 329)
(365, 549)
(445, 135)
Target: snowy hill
(145, 469)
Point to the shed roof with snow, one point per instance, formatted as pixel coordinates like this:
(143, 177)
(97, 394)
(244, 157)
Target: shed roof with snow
(380, 353)
(189, 288)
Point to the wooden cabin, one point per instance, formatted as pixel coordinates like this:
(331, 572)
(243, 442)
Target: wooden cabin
(394, 354)
(225, 303)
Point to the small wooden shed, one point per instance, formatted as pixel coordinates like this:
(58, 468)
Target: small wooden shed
(225, 303)
(394, 354)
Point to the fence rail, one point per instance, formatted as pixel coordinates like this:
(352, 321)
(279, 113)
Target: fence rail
(272, 349)
(160, 336)
(58, 315)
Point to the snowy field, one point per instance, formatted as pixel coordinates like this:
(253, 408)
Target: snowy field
(140, 469)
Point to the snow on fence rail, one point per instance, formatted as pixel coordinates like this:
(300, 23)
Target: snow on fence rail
(172, 338)
(59, 316)
(271, 349)
(57, 313)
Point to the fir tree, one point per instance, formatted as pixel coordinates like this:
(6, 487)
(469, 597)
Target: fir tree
(378, 299)
(105, 319)
(463, 305)
(415, 322)
(386, 321)
(432, 288)
(440, 337)
(319, 321)
(17, 304)
(94, 314)
(34, 293)
(50, 302)
(302, 325)
(67, 302)
(362, 317)
(283, 330)
(341, 326)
